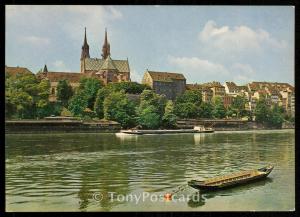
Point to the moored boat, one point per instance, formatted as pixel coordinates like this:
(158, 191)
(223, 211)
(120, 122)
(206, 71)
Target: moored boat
(197, 129)
(231, 180)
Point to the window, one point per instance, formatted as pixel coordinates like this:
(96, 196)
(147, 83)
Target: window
(53, 90)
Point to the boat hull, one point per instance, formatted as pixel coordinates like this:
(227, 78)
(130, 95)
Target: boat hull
(140, 132)
(200, 185)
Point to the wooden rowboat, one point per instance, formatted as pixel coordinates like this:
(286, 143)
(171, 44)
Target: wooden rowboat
(231, 180)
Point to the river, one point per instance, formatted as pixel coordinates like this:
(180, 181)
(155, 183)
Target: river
(109, 172)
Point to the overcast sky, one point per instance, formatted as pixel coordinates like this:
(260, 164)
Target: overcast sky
(205, 43)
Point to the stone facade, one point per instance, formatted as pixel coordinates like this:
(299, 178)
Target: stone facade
(169, 84)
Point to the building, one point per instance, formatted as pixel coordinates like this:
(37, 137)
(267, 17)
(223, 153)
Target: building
(216, 87)
(169, 84)
(106, 69)
(14, 71)
(227, 100)
(206, 92)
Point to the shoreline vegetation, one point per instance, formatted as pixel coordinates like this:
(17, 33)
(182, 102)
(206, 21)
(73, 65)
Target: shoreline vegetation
(127, 104)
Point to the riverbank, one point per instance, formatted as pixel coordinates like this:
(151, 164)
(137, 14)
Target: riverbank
(60, 126)
(52, 125)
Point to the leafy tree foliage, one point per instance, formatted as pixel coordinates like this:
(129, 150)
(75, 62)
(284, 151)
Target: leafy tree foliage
(206, 110)
(238, 106)
(188, 104)
(89, 88)
(118, 108)
(78, 103)
(219, 109)
(98, 107)
(151, 105)
(64, 92)
(26, 96)
(149, 118)
(169, 117)
(128, 87)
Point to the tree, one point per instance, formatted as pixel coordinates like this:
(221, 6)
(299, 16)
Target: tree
(188, 104)
(276, 117)
(98, 107)
(219, 110)
(238, 106)
(190, 96)
(151, 105)
(262, 111)
(149, 118)
(206, 110)
(169, 118)
(186, 110)
(89, 87)
(118, 108)
(128, 87)
(78, 103)
(64, 92)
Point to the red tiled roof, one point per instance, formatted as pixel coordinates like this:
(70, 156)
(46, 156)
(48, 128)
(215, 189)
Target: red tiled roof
(13, 71)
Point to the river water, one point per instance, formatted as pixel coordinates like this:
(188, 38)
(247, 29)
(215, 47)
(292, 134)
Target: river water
(109, 172)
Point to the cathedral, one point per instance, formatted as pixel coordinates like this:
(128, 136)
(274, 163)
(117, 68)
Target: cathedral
(105, 69)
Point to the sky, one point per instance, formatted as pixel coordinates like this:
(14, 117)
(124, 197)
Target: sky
(205, 43)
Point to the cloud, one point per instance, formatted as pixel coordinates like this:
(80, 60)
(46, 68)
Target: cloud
(35, 40)
(198, 70)
(242, 73)
(67, 19)
(238, 38)
(60, 66)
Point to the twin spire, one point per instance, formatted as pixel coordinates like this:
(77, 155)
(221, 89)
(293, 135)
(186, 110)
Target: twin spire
(105, 48)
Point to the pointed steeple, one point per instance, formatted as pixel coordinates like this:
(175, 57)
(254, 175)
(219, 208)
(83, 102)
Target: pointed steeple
(85, 50)
(45, 68)
(105, 47)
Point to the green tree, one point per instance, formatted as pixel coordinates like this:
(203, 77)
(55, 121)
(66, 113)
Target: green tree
(169, 117)
(78, 103)
(118, 108)
(89, 87)
(64, 92)
(190, 96)
(262, 111)
(128, 87)
(219, 110)
(98, 107)
(149, 118)
(238, 106)
(276, 117)
(206, 110)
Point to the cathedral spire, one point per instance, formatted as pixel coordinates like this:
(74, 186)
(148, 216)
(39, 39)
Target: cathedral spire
(45, 68)
(85, 52)
(105, 47)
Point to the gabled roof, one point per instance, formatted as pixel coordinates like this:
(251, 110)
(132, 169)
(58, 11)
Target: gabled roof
(165, 76)
(13, 71)
(94, 64)
(108, 64)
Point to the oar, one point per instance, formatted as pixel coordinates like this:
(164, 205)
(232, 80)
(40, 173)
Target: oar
(168, 196)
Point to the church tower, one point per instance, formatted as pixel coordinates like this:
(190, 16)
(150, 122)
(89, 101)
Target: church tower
(105, 47)
(85, 52)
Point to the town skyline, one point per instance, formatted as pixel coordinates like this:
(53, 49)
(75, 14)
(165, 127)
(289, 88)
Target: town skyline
(263, 46)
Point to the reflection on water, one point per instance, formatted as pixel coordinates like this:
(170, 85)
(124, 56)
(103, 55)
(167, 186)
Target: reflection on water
(62, 172)
(199, 197)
